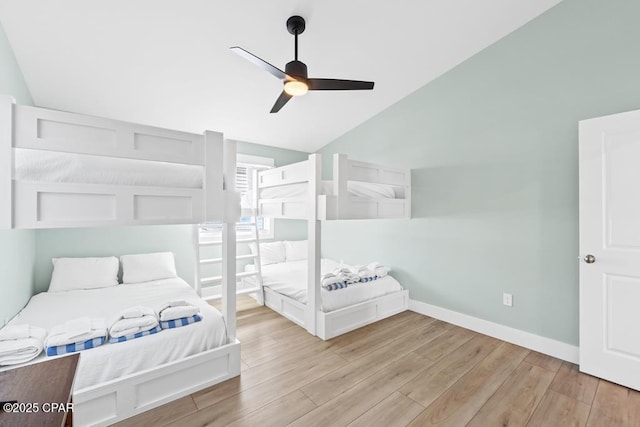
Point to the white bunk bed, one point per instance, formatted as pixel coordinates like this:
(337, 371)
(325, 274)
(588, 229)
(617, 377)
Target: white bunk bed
(60, 169)
(359, 190)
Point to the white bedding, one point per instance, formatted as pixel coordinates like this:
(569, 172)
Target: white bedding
(355, 188)
(290, 279)
(111, 361)
(52, 166)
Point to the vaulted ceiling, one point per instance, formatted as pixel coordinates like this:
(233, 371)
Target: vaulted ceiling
(167, 63)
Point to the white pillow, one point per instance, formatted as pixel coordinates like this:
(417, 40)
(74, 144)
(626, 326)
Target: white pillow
(270, 253)
(296, 250)
(147, 267)
(83, 273)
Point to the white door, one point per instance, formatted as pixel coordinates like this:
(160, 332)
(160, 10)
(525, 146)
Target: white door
(610, 248)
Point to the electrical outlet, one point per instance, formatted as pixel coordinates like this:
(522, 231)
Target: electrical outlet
(507, 299)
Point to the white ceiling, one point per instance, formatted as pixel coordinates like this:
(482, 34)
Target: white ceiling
(167, 63)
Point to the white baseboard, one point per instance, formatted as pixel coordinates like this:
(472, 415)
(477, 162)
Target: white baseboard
(554, 348)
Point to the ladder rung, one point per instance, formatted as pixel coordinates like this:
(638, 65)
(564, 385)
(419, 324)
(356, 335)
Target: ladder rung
(212, 279)
(238, 292)
(210, 243)
(246, 274)
(218, 260)
(246, 240)
(247, 291)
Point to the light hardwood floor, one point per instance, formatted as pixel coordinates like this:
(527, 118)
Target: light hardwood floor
(405, 370)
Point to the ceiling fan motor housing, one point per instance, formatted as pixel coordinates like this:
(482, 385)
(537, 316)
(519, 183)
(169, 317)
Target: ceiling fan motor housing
(296, 25)
(296, 69)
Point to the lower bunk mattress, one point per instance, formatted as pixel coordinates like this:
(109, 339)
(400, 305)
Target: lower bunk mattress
(115, 360)
(290, 279)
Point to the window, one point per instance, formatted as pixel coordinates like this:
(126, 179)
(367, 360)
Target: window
(246, 169)
(245, 177)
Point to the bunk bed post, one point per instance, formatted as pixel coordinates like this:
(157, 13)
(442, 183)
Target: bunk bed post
(213, 180)
(229, 239)
(314, 246)
(195, 235)
(340, 178)
(6, 161)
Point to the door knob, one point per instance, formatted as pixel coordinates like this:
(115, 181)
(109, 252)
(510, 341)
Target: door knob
(589, 259)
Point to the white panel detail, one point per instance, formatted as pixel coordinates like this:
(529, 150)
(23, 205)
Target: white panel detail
(89, 136)
(162, 207)
(153, 391)
(622, 315)
(80, 207)
(97, 411)
(143, 142)
(622, 159)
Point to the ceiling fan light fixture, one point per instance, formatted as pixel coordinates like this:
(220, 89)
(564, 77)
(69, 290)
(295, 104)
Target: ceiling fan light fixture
(296, 88)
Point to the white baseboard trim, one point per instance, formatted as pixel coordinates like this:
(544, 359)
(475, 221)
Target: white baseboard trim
(541, 344)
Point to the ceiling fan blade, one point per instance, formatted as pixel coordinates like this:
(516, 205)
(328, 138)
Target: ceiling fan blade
(276, 72)
(336, 84)
(282, 99)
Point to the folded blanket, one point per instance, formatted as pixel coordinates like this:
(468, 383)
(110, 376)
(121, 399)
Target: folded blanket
(125, 326)
(14, 332)
(378, 269)
(330, 279)
(140, 334)
(176, 303)
(346, 274)
(78, 346)
(184, 321)
(365, 274)
(177, 312)
(137, 311)
(76, 331)
(21, 350)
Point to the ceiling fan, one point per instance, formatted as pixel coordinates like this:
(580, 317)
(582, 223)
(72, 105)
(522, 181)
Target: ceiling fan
(294, 77)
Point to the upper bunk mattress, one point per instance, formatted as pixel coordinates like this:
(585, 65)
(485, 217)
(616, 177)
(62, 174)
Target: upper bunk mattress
(355, 188)
(60, 167)
(290, 279)
(111, 361)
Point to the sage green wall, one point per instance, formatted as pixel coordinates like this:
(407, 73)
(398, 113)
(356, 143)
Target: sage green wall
(17, 248)
(17, 257)
(104, 241)
(493, 145)
(11, 79)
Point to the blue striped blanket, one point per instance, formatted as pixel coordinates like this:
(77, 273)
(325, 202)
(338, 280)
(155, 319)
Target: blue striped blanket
(70, 348)
(183, 321)
(334, 286)
(155, 330)
(344, 284)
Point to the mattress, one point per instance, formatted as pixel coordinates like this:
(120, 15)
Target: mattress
(290, 279)
(111, 361)
(59, 167)
(355, 189)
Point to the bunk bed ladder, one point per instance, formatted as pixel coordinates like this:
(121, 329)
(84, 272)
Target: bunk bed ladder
(205, 238)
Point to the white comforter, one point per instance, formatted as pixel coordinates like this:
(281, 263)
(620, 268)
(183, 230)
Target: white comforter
(111, 361)
(53, 166)
(290, 279)
(354, 188)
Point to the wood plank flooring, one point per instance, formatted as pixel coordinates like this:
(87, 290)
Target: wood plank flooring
(405, 370)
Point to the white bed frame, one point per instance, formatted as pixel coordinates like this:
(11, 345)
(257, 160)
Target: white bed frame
(339, 321)
(340, 205)
(314, 208)
(48, 205)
